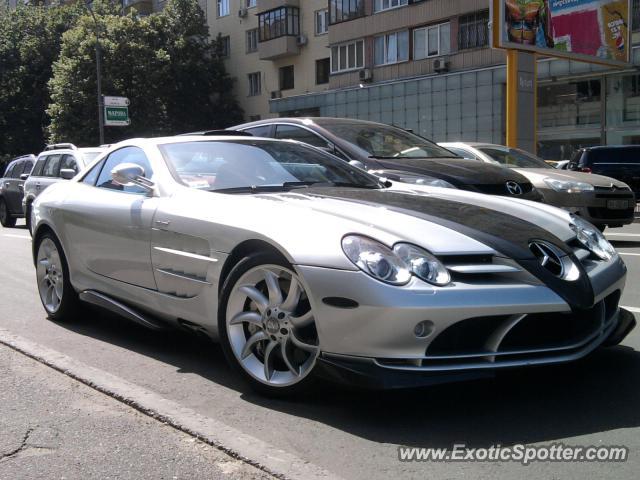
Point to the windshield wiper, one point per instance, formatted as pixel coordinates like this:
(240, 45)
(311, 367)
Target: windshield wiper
(286, 186)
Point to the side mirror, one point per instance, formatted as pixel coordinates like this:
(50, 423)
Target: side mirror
(130, 174)
(67, 173)
(358, 164)
(24, 176)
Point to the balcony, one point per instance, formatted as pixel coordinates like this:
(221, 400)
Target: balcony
(278, 48)
(265, 5)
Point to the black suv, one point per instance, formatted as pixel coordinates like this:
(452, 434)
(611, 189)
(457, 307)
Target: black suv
(621, 162)
(12, 189)
(396, 154)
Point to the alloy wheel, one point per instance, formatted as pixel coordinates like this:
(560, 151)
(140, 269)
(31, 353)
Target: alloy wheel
(271, 327)
(50, 275)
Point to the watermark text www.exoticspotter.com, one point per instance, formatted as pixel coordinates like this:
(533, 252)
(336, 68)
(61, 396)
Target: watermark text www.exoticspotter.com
(524, 454)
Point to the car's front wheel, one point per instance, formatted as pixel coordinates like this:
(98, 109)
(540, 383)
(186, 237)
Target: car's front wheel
(58, 297)
(267, 326)
(6, 220)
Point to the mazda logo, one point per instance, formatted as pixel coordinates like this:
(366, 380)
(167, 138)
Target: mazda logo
(513, 188)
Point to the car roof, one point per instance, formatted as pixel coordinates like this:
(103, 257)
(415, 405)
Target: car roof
(320, 121)
(612, 147)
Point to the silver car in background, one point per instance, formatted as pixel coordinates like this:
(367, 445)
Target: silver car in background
(603, 201)
(61, 161)
(12, 189)
(304, 266)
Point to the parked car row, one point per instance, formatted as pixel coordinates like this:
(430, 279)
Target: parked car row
(27, 176)
(397, 154)
(305, 266)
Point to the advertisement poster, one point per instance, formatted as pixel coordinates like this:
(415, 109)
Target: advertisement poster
(589, 30)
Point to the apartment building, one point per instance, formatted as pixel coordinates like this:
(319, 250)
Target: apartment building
(274, 49)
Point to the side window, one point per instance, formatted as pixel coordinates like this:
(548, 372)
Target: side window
(8, 173)
(300, 134)
(91, 177)
(124, 155)
(28, 166)
(17, 169)
(52, 167)
(69, 162)
(37, 170)
(261, 131)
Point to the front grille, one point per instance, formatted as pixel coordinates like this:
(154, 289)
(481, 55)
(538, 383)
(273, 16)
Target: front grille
(500, 188)
(606, 213)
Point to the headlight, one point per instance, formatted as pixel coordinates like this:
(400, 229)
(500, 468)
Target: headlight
(568, 186)
(592, 239)
(394, 266)
(428, 181)
(423, 264)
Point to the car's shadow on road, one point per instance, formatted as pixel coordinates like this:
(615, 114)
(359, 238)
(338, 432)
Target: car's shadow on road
(599, 393)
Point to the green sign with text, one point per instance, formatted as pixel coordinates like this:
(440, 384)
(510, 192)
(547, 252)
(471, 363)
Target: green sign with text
(116, 116)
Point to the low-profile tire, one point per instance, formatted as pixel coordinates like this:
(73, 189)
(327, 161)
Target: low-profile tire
(266, 326)
(57, 295)
(6, 220)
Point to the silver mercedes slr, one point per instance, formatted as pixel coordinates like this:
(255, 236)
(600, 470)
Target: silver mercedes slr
(305, 267)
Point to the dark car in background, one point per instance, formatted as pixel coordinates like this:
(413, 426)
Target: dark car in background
(621, 162)
(395, 153)
(12, 189)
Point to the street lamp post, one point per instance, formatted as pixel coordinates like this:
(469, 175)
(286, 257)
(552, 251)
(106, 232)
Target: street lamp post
(98, 74)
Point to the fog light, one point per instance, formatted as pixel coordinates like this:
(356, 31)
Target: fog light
(423, 329)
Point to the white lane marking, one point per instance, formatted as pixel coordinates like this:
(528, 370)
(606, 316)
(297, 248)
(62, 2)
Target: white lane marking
(235, 443)
(15, 236)
(632, 254)
(633, 309)
(622, 234)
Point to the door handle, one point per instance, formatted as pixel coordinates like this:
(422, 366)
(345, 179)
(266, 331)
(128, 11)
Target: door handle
(164, 223)
(7, 184)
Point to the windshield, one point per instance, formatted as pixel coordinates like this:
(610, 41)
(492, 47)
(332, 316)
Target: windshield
(259, 165)
(514, 158)
(381, 141)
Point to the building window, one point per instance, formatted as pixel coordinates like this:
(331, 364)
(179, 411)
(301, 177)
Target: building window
(322, 21)
(380, 5)
(286, 77)
(635, 15)
(225, 46)
(347, 56)
(223, 8)
(250, 3)
(431, 41)
(391, 48)
(255, 84)
(322, 70)
(343, 10)
(473, 30)
(252, 40)
(278, 23)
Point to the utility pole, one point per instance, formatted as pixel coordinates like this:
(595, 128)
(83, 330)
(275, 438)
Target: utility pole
(98, 74)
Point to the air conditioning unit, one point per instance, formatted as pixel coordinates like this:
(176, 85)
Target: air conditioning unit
(276, 94)
(243, 12)
(301, 40)
(365, 75)
(440, 65)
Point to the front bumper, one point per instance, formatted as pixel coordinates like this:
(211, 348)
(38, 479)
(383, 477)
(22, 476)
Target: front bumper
(368, 328)
(594, 206)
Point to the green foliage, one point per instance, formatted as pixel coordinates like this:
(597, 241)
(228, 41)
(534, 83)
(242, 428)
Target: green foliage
(29, 44)
(165, 63)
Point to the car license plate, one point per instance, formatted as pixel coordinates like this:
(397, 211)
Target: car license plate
(617, 204)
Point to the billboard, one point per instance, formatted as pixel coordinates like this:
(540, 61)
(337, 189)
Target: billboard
(595, 31)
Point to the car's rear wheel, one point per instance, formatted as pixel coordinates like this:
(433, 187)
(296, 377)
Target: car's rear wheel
(58, 297)
(267, 326)
(6, 220)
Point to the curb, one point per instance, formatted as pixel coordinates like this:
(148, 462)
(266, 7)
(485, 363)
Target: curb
(233, 442)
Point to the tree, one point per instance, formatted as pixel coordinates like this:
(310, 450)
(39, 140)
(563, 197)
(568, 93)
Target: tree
(30, 38)
(166, 64)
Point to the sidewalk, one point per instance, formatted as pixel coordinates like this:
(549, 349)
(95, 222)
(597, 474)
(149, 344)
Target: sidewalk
(53, 427)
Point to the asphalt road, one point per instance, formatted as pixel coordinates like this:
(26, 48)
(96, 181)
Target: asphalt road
(355, 434)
